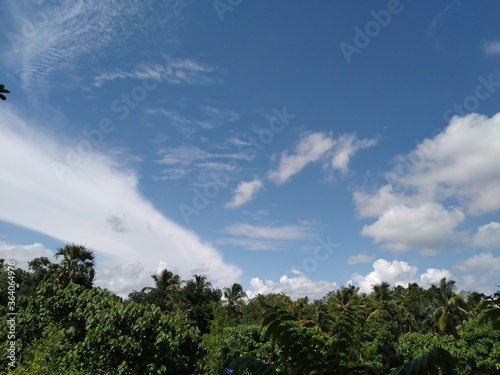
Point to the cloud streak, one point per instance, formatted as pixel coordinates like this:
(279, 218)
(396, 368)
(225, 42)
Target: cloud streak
(97, 204)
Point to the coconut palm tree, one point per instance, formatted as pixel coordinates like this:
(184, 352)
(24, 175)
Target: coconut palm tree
(451, 307)
(344, 298)
(165, 293)
(378, 301)
(77, 265)
(234, 300)
(200, 298)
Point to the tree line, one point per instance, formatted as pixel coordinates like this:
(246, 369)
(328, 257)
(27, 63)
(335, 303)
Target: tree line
(66, 325)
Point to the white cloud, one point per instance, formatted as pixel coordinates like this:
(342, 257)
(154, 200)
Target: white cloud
(402, 227)
(346, 147)
(459, 162)
(52, 38)
(122, 279)
(173, 71)
(245, 192)
(295, 286)
(457, 167)
(428, 252)
(186, 155)
(480, 273)
(261, 237)
(79, 208)
(360, 258)
(22, 254)
(484, 262)
(310, 148)
(394, 273)
(398, 273)
(488, 236)
(433, 276)
(492, 47)
(171, 174)
(368, 205)
(285, 232)
(221, 115)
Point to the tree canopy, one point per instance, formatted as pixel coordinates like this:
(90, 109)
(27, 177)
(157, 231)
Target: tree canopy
(66, 325)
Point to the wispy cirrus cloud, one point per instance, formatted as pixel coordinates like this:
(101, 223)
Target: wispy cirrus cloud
(209, 118)
(173, 72)
(186, 155)
(48, 40)
(266, 237)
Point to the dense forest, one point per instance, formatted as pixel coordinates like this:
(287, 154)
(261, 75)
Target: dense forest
(58, 322)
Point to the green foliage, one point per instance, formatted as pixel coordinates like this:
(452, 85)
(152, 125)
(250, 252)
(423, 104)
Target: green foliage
(429, 363)
(451, 309)
(233, 342)
(66, 326)
(305, 349)
(76, 266)
(233, 300)
(109, 336)
(48, 355)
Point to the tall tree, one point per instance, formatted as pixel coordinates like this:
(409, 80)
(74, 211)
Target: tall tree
(234, 299)
(77, 265)
(165, 293)
(200, 298)
(451, 307)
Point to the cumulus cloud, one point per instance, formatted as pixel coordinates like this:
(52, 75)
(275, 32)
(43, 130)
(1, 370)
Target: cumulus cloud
(433, 276)
(22, 254)
(398, 273)
(122, 279)
(488, 236)
(394, 273)
(360, 258)
(402, 227)
(295, 286)
(245, 192)
(310, 148)
(85, 205)
(459, 162)
(372, 205)
(431, 189)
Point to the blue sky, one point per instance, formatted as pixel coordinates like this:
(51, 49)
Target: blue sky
(290, 146)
